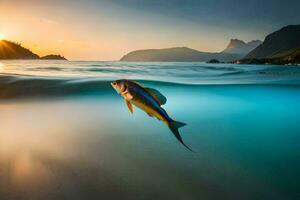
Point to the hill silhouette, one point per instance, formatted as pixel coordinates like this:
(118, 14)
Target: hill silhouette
(278, 42)
(235, 50)
(291, 56)
(279, 47)
(177, 54)
(13, 50)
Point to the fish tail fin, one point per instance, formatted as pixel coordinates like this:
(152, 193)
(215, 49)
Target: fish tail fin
(174, 126)
(177, 124)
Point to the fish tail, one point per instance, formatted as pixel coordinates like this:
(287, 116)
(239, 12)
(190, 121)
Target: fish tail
(174, 126)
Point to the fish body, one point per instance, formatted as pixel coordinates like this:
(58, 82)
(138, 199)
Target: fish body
(149, 100)
(145, 101)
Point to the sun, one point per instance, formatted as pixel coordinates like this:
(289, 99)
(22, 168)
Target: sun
(2, 36)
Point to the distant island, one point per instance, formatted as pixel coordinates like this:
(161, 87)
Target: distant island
(279, 47)
(12, 50)
(235, 50)
(53, 57)
(176, 54)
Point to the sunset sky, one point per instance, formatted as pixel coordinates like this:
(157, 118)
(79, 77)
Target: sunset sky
(108, 29)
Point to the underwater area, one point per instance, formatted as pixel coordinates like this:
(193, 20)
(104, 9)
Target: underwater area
(66, 134)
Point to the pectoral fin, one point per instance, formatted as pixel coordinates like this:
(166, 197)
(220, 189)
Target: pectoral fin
(159, 97)
(129, 105)
(150, 115)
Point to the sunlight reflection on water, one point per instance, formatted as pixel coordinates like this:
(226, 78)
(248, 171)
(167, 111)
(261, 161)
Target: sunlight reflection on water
(1, 67)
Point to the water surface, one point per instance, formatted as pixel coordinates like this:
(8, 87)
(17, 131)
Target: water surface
(66, 134)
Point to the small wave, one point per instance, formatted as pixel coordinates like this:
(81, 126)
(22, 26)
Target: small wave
(30, 86)
(48, 78)
(47, 69)
(12, 87)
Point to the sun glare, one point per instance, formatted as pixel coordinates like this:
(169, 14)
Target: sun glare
(2, 36)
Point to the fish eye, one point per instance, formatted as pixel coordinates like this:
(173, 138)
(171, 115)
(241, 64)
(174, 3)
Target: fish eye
(114, 83)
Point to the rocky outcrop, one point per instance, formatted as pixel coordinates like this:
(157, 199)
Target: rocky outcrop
(240, 47)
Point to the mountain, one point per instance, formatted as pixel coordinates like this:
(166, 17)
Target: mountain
(235, 50)
(237, 46)
(177, 54)
(291, 56)
(278, 43)
(53, 57)
(12, 50)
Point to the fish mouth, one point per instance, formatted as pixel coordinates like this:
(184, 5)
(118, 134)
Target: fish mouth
(114, 86)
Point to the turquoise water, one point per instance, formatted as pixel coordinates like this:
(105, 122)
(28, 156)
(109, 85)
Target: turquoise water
(66, 134)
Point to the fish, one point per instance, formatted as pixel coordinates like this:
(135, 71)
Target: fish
(150, 101)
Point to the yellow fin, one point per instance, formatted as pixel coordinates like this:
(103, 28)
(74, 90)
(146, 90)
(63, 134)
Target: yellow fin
(129, 105)
(150, 115)
(159, 97)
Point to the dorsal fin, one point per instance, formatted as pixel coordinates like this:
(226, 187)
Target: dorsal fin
(159, 97)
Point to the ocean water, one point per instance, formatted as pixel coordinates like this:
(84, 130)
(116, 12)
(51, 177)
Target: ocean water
(66, 134)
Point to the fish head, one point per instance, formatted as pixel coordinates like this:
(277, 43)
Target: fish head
(120, 86)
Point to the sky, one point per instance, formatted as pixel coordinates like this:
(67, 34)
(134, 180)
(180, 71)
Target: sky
(108, 29)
